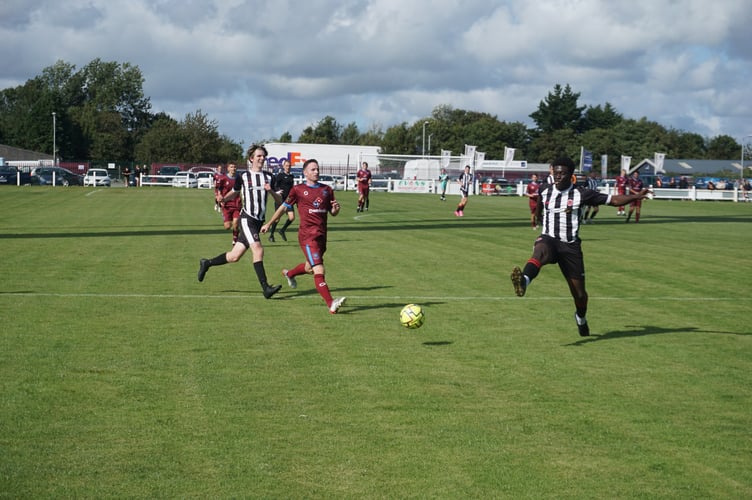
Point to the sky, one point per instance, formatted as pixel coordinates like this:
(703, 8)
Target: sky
(260, 68)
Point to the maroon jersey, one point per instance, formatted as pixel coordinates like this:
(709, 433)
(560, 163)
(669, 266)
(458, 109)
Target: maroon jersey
(364, 176)
(532, 190)
(635, 184)
(314, 203)
(621, 184)
(224, 185)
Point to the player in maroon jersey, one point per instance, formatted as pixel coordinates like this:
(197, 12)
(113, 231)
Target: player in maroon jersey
(364, 187)
(532, 193)
(230, 209)
(635, 186)
(621, 188)
(315, 202)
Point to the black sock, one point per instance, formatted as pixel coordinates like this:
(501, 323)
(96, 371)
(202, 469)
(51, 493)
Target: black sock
(272, 228)
(531, 271)
(287, 224)
(219, 260)
(261, 273)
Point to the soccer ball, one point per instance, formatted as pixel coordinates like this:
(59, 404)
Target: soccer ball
(412, 316)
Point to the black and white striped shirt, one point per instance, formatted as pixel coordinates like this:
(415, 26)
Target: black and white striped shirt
(561, 210)
(251, 187)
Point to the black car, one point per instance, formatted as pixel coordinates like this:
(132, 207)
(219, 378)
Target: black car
(9, 176)
(45, 176)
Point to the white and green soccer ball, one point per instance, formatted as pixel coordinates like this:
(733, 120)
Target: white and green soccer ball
(412, 316)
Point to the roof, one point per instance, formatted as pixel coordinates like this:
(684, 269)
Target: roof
(9, 153)
(691, 167)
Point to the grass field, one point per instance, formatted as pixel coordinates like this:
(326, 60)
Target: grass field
(122, 376)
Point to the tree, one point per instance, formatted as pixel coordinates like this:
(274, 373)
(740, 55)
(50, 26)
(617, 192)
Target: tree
(163, 141)
(601, 118)
(723, 147)
(558, 111)
(327, 131)
(350, 134)
(286, 137)
(397, 140)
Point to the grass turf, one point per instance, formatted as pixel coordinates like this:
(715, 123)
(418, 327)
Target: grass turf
(122, 376)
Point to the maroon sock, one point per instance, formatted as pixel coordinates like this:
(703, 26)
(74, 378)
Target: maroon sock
(323, 288)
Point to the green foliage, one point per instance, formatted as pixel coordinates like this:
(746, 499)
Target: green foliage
(122, 376)
(559, 110)
(723, 147)
(326, 131)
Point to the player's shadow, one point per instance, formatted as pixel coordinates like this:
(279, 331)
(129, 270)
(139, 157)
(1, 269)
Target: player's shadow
(640, 331)
(287, 293)
(438, 343)
(385, 305)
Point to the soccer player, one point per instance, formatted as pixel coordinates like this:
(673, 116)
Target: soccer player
(591, 210)
(465, 180)
(635, 186)
(559, 209)
(283, 183)
(532, 193)
(255, 184)
(315, 202)
(621, 188)
(219, 173)
(224, 184)
(364, 187)
(444, 181)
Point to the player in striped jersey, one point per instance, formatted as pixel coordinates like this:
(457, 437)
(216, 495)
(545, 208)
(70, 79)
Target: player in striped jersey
(254, 184)
(559, 209)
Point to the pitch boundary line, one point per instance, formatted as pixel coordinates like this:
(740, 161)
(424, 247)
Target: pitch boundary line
(410, 298)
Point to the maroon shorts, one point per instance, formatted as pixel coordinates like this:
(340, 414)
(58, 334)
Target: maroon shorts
(314, 250)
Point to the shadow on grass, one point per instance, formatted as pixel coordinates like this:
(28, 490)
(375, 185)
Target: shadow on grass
(438, 343)
(641, 331)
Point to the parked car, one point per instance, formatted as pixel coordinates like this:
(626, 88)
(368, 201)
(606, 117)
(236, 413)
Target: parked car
(168, 170)
(9, 176)
(380, 182)
(45, 176)
(501, 186)
(205, 180)
(97, 177)
(336, 181)
(185, 179)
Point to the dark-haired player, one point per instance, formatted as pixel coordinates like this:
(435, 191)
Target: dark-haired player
(315, 202)
(559, 209)
(283, 183)
(255, 184)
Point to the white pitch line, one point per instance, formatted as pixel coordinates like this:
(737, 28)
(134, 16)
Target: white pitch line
(412, 298)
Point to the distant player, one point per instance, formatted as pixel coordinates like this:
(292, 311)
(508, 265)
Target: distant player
(465, 180)
(315, 202)
(532, 194)
(621, 188)
(223, 186)
(283, 183)
(443, 182)
(635, 186)
(591, 210)
(364, 187)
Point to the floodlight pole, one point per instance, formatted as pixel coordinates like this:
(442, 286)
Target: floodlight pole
(54, 139)
(424, 139)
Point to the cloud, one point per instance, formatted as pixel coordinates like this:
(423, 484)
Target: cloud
(264, 67)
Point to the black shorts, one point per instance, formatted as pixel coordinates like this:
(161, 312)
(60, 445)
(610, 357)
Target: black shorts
(549, 250)
(250, 229)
